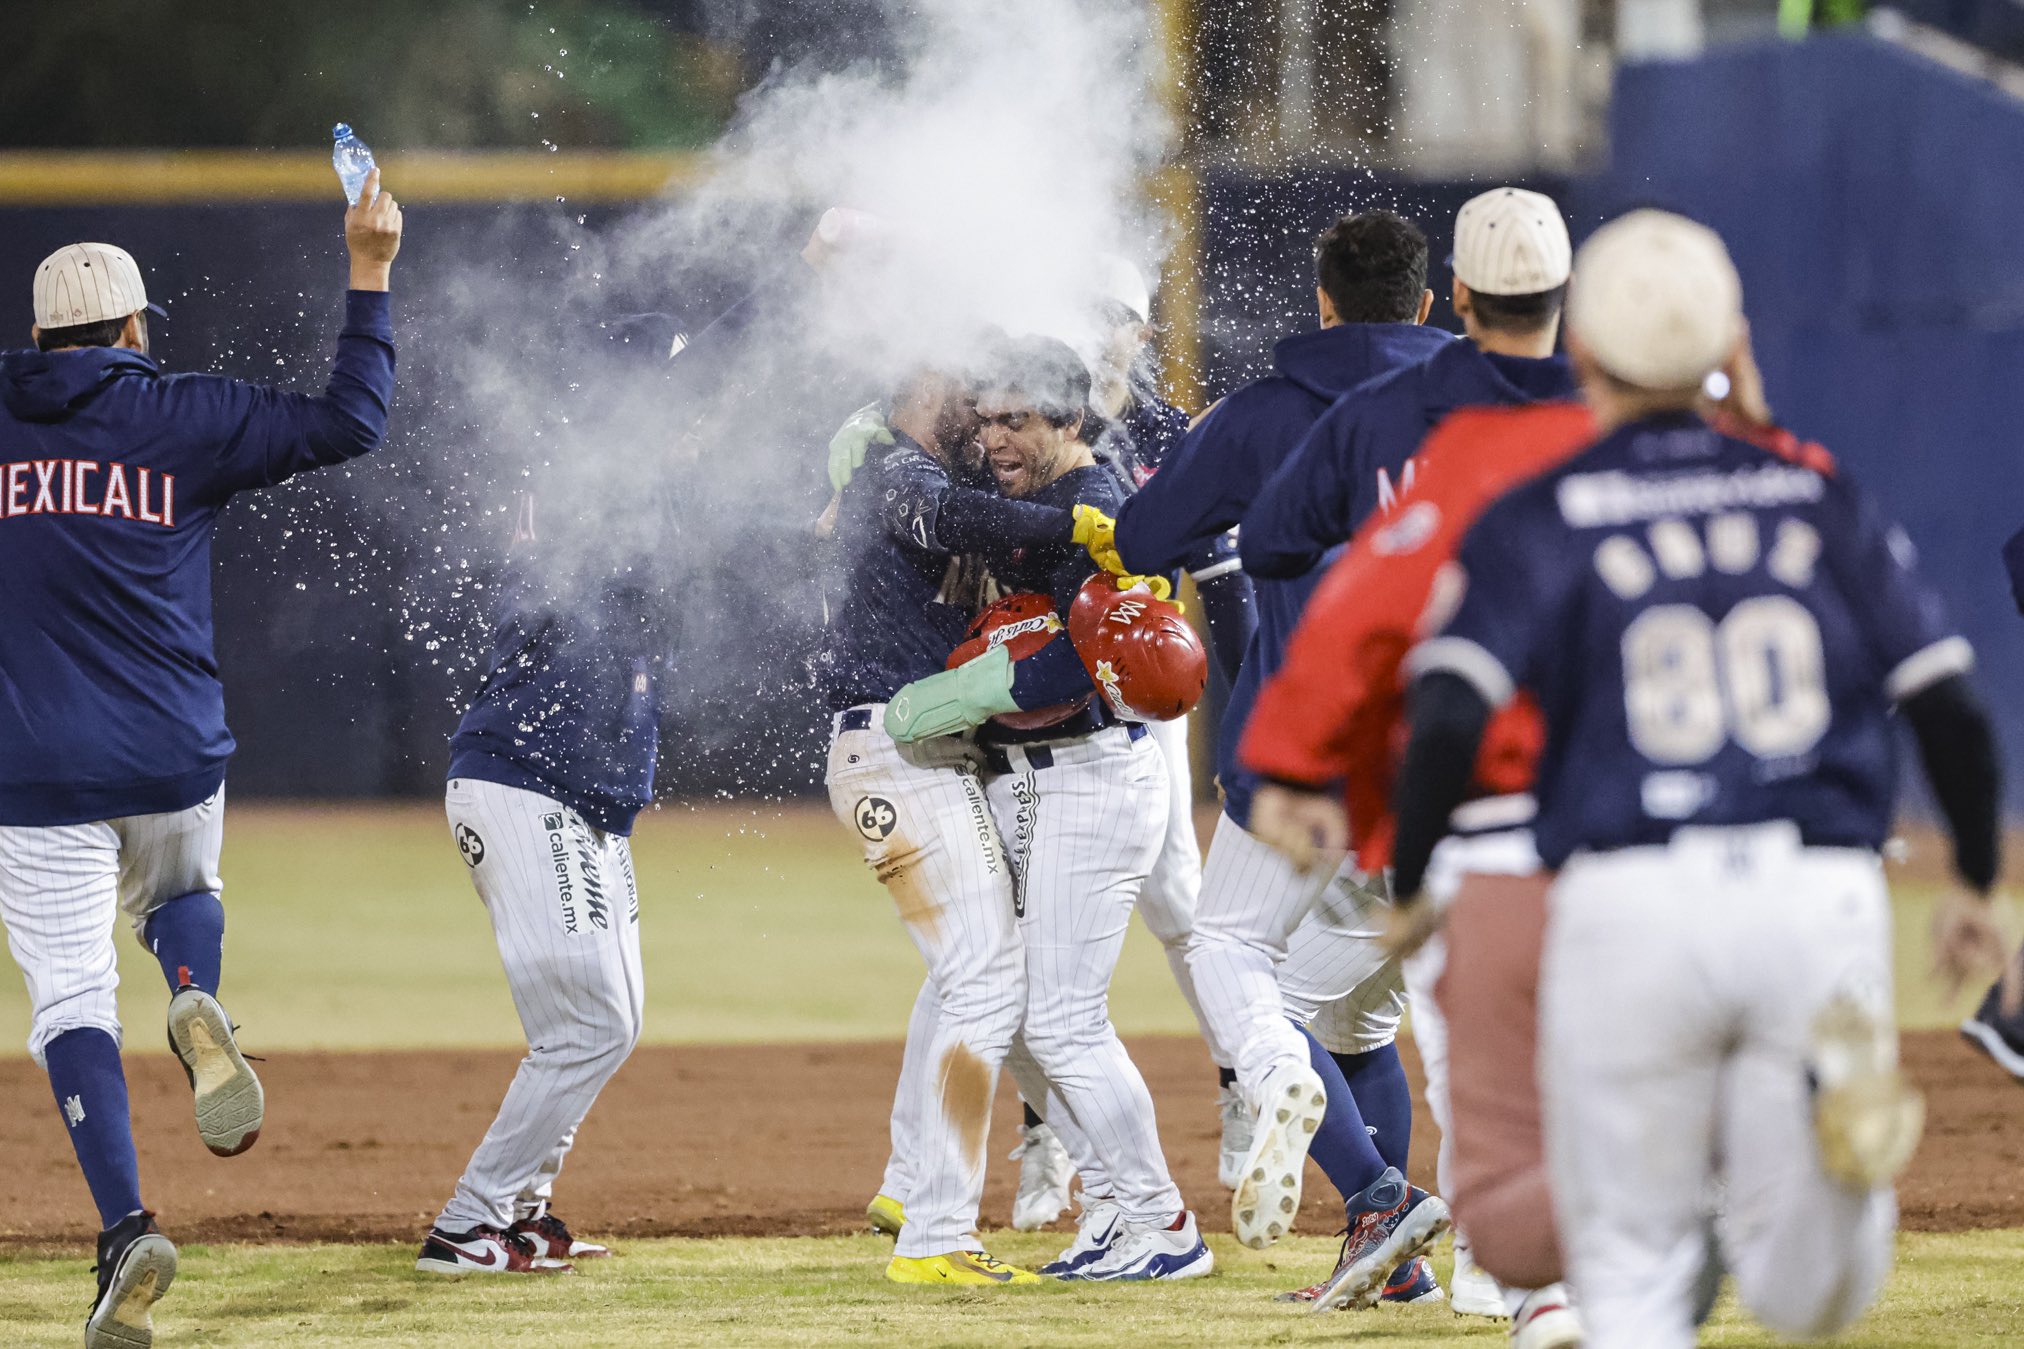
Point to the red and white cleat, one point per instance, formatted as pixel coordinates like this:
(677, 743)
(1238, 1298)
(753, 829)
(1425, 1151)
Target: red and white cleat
(552, 1239)
(482, 1250)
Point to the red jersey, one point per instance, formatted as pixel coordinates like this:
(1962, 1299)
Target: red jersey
(1336, 709)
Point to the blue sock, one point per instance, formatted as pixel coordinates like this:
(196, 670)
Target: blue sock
(91, 1093)
(1342, 1148)
(187, 936)
(1378, 1081)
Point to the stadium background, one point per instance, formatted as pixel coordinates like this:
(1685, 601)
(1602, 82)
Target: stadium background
(1853, 172)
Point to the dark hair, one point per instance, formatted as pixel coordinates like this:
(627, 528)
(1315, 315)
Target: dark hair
(103, 333)
(1372, 266)
(1526, 313)
(1045, 374)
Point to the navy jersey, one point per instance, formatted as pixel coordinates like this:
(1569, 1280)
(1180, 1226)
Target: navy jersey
(1357, 456)
(571, 705)
(111, 478)
(1208, 484)
(1715, 634)
(906, 593)
(1055, 673)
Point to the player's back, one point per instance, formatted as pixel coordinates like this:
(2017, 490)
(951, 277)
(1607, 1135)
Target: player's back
(1715, 634)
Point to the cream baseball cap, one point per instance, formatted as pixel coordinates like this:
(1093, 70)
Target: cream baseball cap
(88, 283)
(1511, 242)
(1659, 304)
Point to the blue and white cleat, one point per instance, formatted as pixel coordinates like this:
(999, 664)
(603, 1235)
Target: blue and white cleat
(1146, 1251)
(1389, 1224)
(1413, 1281)
(1096, 1230)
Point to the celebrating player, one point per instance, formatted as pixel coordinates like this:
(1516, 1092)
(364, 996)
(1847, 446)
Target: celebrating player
(549, 766)
(920, 814)
(1716, 636)
(1372, 296)
(1139, 429)
(113, 743)
(1511, 267)
(1082, 800)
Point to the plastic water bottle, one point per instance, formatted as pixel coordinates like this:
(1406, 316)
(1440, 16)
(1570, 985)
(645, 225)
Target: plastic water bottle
(352, 158)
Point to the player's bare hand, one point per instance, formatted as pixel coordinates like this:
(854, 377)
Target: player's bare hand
(1967, 942)
(1310, 828)
(1407, 928)
(372, 235)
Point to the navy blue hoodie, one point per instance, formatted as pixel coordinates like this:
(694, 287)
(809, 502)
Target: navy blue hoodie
(1357, 452)
(1208, 484)
(111, 475)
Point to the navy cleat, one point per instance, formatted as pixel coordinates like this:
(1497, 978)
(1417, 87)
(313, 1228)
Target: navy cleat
(1099, 1228)
(136, 1265)
(2001, 1038)
(1390, 1222)
(1413, 1281)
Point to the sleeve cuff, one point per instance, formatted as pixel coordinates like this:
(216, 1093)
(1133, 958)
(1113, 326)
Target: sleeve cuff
(1928, 666)
(1474, 663)
(370, 312)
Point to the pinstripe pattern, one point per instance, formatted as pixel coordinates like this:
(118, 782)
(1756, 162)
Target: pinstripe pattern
(565, 912)
(908, 1096)
(87, 283)
(1084, 833)
(1337, 980)
(1174, 890)
(62, 885)
(921, 819)
(1253, 902)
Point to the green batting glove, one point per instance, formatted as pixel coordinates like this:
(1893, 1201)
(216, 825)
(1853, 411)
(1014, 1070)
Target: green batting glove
(847, 448)
(953, 701)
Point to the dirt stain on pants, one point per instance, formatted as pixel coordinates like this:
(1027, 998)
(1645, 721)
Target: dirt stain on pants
(966, 1099)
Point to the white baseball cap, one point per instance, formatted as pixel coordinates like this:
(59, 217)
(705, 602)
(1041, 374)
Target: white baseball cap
(88, 283)
(1118, 280)
(1511, 242)
(1659, 304)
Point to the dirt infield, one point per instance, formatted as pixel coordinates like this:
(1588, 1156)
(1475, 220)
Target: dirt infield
(718, 1141)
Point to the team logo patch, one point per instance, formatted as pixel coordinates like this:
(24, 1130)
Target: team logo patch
(875, 818)
(469, 844)
(552, 823)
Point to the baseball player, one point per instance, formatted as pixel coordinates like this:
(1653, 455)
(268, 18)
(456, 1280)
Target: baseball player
(1081, 803)
(1372, 297)
(1511, 266)
(1716, 637)
(113, 743)
(1138, 429)
(920, 813)
(549, 767)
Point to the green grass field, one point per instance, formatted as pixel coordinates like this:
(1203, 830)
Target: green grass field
(355, 928)
(1949, 1291)
(758, 924)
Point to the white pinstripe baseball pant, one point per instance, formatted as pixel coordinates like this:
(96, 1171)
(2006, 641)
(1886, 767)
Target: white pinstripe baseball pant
(565, 911)
(61, 885)
(1084, 819)
(1253, 903)
(1174, 890)
(920, 815)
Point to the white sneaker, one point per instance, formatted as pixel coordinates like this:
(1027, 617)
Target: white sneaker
(1546, 1320)
(1237, 1122)
(1867, 1116)
(1472, 1292)
(1044, 1177)
(1268, 1182)
(1099, 1226)
(1156, 1250)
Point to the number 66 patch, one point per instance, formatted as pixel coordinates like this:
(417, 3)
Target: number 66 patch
(875, 818)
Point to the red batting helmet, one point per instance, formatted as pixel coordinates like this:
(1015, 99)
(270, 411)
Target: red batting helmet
(1146, 661)
(1022, 624)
